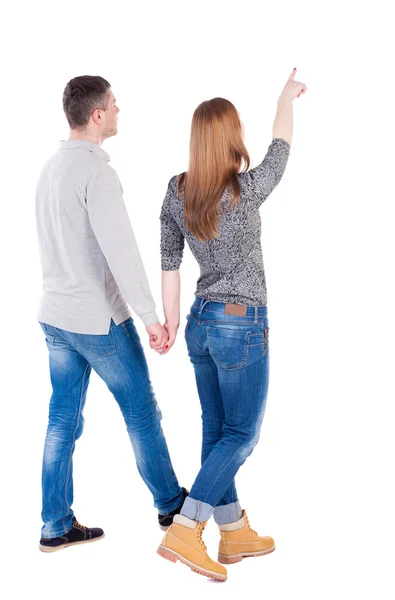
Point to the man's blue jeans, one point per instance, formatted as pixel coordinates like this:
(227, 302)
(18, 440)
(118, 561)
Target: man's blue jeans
(118, 358)
(230, 356)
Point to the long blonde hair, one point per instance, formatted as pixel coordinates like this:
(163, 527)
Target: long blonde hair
(216, 152)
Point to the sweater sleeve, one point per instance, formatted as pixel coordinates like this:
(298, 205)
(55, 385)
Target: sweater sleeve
(112, 228)
(261, 181)
(172, 239)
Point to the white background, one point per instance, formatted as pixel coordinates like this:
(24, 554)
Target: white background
(320, 480)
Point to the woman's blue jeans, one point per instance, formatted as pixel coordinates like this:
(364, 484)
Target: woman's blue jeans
(230, 356)
(118, 358)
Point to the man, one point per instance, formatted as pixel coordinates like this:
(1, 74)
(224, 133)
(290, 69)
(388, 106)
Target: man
(91, 268)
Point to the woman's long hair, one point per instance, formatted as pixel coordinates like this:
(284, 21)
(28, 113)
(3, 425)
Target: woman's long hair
(216, 152)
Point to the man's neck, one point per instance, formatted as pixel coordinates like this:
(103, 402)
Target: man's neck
(89, 136)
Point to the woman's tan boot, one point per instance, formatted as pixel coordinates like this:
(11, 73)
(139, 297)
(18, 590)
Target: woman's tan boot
(238, 541)
(183, 542)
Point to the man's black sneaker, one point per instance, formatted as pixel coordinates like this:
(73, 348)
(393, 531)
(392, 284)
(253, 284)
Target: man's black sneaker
(166, 520)
(78, 534)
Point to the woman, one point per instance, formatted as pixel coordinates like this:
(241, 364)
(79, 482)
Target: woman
(215, 207)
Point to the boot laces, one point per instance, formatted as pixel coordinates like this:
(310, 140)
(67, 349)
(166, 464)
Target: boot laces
(249, 526)
(199, 532)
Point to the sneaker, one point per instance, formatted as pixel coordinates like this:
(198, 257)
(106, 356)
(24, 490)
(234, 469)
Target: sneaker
(166, 520)
(239, 541)
(78, 534)
(183, 542)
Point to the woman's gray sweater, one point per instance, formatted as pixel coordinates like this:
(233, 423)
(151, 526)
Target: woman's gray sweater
(231, 266)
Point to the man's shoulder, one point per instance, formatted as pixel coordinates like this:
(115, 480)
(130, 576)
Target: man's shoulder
(45, 168)
(98, 168)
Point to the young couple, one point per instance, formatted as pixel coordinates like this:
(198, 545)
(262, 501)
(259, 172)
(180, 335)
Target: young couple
(92, 270)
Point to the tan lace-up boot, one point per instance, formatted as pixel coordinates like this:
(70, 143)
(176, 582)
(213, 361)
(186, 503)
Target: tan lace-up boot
(183, 542)
(238, 541)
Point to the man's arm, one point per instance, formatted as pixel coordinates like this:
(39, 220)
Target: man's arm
(112, 228)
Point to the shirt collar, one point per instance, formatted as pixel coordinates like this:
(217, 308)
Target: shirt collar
(94, 148)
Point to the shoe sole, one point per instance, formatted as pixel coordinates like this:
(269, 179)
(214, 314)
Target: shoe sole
(164, 528)
(66, 545)
(174, 556)
(234, 558)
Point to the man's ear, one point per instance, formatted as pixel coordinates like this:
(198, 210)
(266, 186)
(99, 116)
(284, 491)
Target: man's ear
(96, 116)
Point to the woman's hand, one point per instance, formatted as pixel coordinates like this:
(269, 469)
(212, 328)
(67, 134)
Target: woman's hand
(293, 89)
(158, 337)
(171, 330)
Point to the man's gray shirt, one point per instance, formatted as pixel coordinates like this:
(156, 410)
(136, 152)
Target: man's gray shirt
(90, 261)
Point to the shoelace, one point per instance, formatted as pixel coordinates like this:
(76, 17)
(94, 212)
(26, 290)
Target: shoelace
(79, 525)
(199, 532)
(249, 526)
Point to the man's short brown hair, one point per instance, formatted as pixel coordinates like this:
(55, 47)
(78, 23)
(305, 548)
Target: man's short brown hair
(81, 96)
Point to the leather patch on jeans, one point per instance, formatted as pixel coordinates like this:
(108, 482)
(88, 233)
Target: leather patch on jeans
(239, 310)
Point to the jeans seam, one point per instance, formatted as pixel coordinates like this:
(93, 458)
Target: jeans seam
(248, 306)
(91, 350)
(75, 429)
(125, 329)
(194, 332)
(228, 322)
(219, 507)
(137, 347)
(265, 340)
(196, 321)
(169, 484)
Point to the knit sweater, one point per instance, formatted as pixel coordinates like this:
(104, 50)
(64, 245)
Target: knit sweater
(231, 265)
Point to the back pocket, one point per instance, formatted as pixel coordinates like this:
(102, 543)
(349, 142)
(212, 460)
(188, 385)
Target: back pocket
(52, 336)
(228, 347)
(95, 345)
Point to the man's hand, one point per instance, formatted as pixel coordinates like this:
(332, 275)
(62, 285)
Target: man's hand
(171, 330)
(158, 337)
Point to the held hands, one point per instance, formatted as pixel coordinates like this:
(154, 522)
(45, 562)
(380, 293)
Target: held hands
(172, 333)
(158, 337)
(293, 89)
(161, 339)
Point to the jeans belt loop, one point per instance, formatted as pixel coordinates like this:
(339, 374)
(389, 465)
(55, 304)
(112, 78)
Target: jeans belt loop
(256, 315)
(202, 305)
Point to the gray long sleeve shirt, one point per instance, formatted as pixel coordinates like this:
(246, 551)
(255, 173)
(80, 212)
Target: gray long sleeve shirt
(231, 266)
(90, 261)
